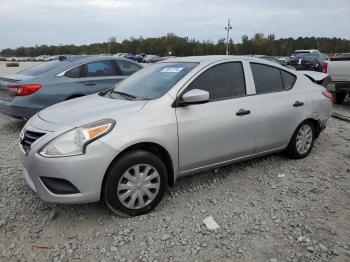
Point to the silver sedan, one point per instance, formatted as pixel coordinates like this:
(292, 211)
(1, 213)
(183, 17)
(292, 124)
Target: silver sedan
(168, 120)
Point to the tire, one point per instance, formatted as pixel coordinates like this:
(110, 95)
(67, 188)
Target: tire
(125, 187)
(300, 146)
(339, 98)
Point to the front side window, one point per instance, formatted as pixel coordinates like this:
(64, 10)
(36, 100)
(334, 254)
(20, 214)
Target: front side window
(267, 79)
(154, 81)
(98, 69)
(222, 81)
(127, 68)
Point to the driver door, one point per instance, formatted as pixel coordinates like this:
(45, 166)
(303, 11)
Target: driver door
(216, 131)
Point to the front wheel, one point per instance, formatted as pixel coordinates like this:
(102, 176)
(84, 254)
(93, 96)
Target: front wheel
(302, 141)
(135, 184)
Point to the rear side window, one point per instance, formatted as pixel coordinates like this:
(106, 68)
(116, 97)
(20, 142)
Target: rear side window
(74, 72)
(98, 69)
(288, 80)
(267, 79)
(127, 68)
(222, 81)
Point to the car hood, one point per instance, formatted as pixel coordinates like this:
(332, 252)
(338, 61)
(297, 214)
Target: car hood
(88, 109)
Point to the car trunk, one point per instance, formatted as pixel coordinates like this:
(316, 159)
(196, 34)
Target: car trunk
(5, 93)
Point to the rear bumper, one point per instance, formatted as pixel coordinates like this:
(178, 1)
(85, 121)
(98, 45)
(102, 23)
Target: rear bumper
(8, 109)
(339, 87)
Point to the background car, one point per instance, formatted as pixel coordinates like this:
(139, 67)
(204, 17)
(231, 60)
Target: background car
(152, 59)
(307, 61)
(140, 57)
(25, 93)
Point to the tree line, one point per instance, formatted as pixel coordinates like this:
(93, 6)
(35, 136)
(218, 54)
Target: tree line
(184, 46)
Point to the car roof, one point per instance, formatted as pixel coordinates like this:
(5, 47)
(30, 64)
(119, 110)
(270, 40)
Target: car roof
(307, 50)
(210, 58)
(87, 58)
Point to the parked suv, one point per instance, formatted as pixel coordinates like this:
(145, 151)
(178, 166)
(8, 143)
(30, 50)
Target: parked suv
(168, 120)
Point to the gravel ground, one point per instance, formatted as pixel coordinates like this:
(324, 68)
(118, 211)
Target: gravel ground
(268, 209)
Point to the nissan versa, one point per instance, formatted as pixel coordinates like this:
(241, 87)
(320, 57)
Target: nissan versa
(171, 119)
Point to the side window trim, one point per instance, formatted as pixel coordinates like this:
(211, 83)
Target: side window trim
(188, 84)
(82, 65)
(284, 89)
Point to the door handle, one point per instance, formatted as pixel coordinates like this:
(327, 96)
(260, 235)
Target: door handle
(298, 103)
(90, 83)
(242, 112)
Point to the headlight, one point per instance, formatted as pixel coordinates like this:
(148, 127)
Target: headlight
(74, 142)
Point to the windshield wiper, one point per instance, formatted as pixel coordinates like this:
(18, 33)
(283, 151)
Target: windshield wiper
(124, 94)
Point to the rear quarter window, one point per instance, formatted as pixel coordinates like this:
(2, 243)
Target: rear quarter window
(288, 80)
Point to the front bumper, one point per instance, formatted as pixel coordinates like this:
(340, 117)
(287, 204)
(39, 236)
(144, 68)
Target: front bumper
(85, 172)
(8, 109)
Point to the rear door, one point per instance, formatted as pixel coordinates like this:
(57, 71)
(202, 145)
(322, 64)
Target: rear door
(216, 132)
(99, 76)
(279, 107)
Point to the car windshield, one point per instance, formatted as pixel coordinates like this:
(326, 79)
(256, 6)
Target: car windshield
(153, 81)
(42, 68)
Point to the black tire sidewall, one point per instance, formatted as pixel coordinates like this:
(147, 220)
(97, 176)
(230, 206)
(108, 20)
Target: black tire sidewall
(115, 172)
(292, 148)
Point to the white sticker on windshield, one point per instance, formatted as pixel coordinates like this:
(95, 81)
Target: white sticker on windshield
(171, 70)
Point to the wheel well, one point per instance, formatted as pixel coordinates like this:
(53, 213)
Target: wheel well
(316, 125)
(154, 148)
(74, 96)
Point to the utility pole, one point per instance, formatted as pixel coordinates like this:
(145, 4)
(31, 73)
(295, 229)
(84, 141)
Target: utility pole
(108, 46)
(228, 28)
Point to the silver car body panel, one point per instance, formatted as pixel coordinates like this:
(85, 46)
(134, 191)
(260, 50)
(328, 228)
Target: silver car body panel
(196, 137)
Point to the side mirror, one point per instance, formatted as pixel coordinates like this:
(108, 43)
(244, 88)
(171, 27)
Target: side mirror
(194, 96)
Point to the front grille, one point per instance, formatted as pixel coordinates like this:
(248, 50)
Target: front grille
(28, 138)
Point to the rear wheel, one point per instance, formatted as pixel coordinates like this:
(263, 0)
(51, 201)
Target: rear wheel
(339, 97)
(302, 141)
(135, 184)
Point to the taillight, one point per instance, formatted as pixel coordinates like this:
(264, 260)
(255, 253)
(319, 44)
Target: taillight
(24, 90)
(328, 95)
(324, 68)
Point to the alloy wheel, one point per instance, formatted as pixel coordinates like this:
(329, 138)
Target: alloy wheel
(304, 139)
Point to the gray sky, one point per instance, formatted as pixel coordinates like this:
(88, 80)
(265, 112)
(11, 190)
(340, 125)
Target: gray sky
(31, 22)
